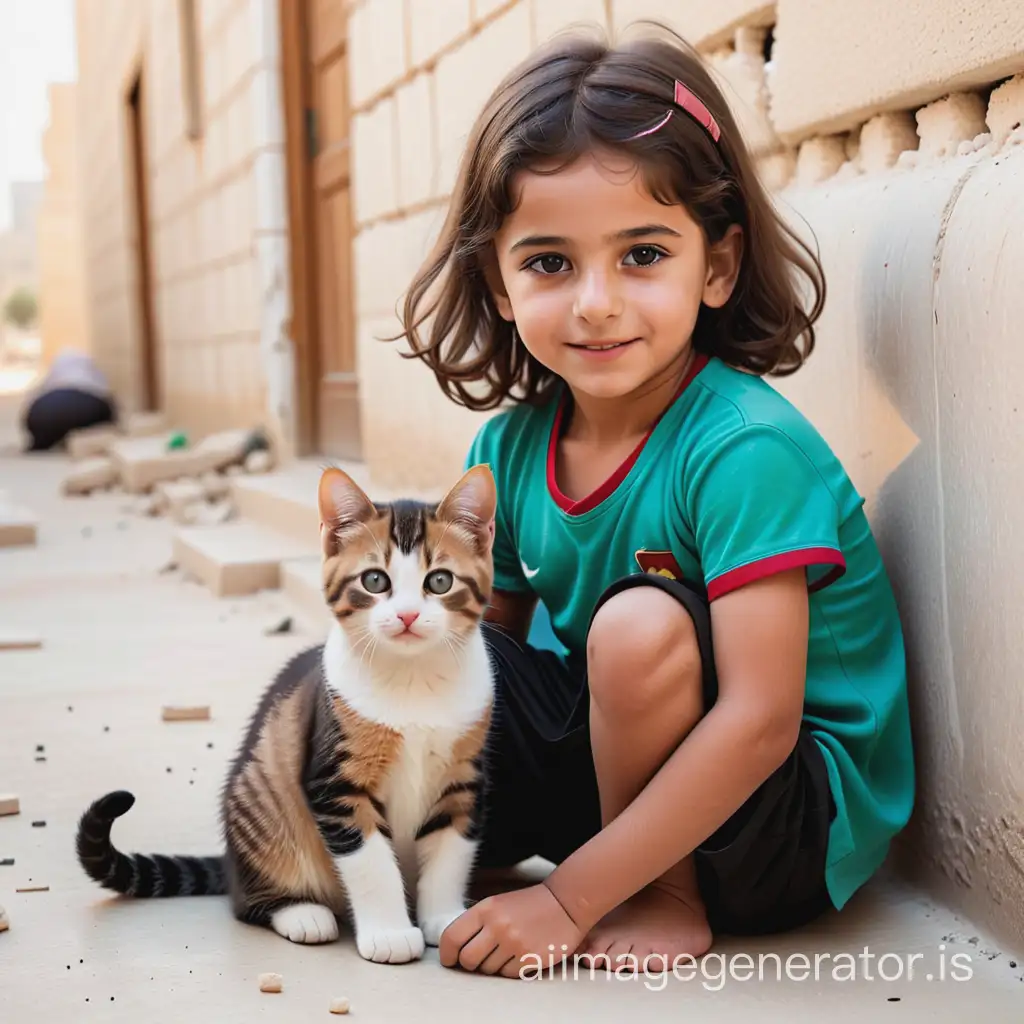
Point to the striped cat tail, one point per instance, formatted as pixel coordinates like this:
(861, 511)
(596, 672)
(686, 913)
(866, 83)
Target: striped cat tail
(138, 874)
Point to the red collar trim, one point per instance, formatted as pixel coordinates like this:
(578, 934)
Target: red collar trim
(605, 490)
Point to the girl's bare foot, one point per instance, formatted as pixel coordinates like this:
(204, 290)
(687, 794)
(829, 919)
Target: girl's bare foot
(656, 926)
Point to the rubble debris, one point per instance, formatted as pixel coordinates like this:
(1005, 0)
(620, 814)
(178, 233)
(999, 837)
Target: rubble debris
(271, 982)
(259, 462)
(171, 566)
(9, 804)
(177, 495)
(40, 757)
(34, 888)
(19, 642)
(39, 824)
(213, 514)
(40, 748)
(175, 713)
(90, 475)
(146, 424)
(215, 485)
(144, 462)
(340, 1005)
(6, 862)
(282, 627)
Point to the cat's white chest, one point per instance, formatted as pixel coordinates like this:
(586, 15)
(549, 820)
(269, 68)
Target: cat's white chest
(414, 784)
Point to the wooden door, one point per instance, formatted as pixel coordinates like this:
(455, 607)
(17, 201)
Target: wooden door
(323, 327)
(149, 398)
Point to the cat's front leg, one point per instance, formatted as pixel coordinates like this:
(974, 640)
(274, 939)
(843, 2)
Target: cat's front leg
(445, 858)
(376, 896)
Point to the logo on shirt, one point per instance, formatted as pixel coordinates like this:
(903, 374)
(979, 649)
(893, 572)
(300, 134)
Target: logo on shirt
(527, 571)
(659, 563)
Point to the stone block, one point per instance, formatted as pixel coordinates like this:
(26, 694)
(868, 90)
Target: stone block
(1006, 108)
(377, 46)
(465, 80)
(146, 424)
(18, 525)
(944, 125)
(884, 138)
(145, 462)
(433, 25)
(92, 441)
(375, 161)
(820, 158)
(90, 475)
(836, 64)
(176, 495)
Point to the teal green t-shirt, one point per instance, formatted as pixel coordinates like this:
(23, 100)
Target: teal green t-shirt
(732, 484)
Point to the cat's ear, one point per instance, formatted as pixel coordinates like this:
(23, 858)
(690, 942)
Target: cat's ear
(472, 503)
(342, 503)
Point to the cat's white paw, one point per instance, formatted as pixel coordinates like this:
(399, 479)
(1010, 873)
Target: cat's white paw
(433, 925)
(390, 945)
(309, 923)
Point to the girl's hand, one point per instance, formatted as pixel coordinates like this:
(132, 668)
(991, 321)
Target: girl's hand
(494, 935)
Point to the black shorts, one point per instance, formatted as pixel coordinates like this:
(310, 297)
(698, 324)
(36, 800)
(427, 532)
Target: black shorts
(762, 871)
(54, 414)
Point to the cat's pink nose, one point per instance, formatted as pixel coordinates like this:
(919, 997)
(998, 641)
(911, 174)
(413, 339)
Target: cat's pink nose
(408, 618)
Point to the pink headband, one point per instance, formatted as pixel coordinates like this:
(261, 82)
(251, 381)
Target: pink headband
(692, 105)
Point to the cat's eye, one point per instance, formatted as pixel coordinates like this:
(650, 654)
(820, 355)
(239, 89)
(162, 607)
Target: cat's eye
(375, 581)
(440, 581)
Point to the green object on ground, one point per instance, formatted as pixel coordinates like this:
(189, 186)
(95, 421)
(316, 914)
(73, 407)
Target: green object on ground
(177, 441)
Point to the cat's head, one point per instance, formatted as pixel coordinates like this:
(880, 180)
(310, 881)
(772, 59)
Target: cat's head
(406, 577)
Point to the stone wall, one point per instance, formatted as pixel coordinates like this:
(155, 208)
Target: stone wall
(890, 132)
(216, 203)
(63, 314)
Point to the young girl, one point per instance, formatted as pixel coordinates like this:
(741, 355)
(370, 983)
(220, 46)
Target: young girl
(724, 745)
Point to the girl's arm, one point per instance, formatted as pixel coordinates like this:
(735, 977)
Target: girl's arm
(760, 639)
(512, 612)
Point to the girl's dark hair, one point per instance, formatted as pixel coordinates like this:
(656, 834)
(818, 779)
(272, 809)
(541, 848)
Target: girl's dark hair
(574, 96)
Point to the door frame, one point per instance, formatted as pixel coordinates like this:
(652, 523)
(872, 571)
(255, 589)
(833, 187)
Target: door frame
(148, 381)
(303, 327)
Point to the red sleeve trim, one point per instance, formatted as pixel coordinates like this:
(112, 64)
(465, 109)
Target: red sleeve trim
(736, 578)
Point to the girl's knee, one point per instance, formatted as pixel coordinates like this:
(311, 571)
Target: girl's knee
(641, 652)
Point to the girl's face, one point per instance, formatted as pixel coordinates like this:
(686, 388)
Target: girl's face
(589, 259)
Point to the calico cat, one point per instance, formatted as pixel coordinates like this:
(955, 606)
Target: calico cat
(361, 775)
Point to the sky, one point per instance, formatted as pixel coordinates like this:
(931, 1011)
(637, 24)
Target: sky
(37, 46)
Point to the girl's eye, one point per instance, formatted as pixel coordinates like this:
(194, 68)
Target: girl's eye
(440, 581)
(548, 264)
(645, 255)
(375, 581)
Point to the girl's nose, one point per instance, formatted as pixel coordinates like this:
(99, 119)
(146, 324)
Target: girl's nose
(597, 297)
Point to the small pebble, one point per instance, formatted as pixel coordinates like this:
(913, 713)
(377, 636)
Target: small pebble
(40, 758)
(39, 824)
(106, 728)
(209, 746)
(168, 771)
(70, 708)
(40, 748)
(340, 1005)
(271, 982)
(7, 862)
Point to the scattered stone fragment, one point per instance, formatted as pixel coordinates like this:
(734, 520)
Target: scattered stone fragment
(33, 888)
(177, 713)
(40, 757)
(9, 804)
(259, 462)
(4, 922)
(19, 642)
(39, 824)
(215, 485)
(234, 470)
(17, 524)
(171, 566)
(214, 514)
(6, 862)
(177, 495)
(270, 982)
(340, 1005)
(90, 475)
(40, 748)
(282, 627)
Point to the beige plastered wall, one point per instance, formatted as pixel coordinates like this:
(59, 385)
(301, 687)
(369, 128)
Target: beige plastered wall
(890, 135)
(63, 318)
(216, 209)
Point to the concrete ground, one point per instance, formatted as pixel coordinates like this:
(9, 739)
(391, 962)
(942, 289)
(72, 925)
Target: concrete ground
(120, 639)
